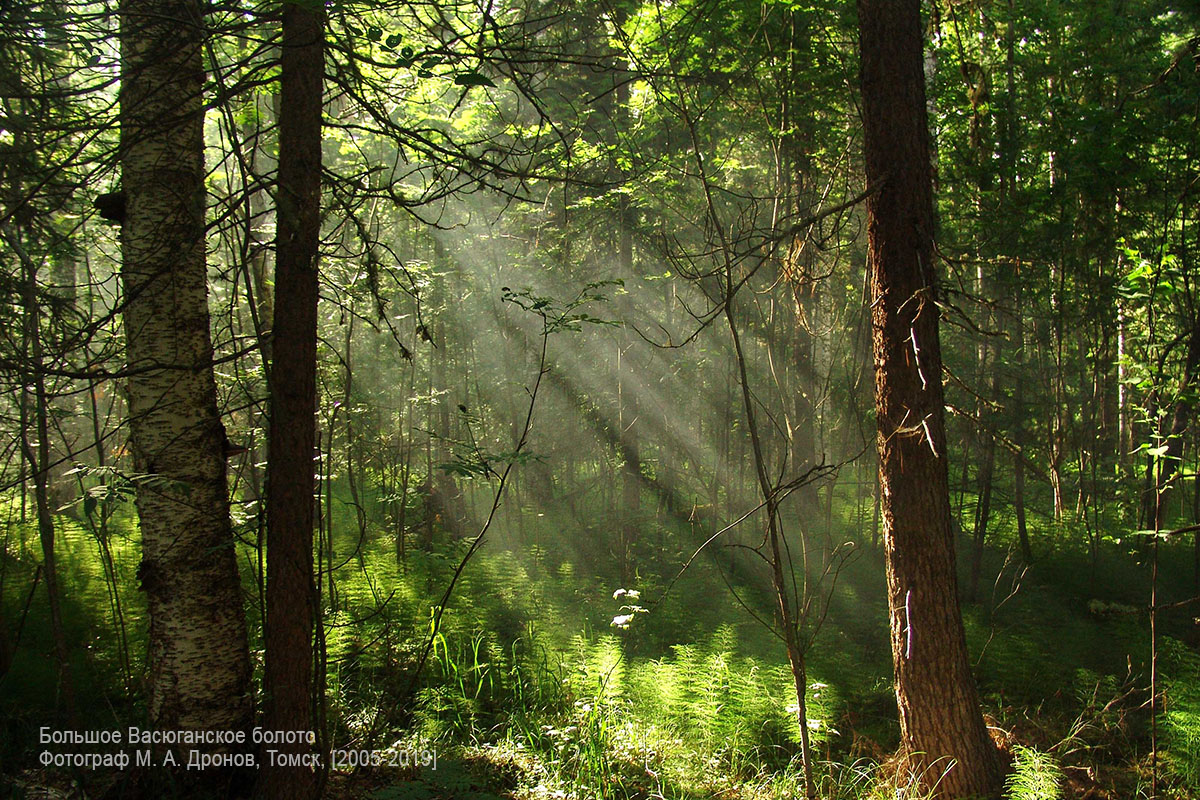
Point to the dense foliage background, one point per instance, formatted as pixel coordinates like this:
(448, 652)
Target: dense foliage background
(557, 241)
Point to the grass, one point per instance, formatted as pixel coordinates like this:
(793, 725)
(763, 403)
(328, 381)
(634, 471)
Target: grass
(531, 693)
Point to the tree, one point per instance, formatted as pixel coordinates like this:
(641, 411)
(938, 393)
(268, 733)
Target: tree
(32, 242)
(291, 599)
(941, 727)
(199, 664)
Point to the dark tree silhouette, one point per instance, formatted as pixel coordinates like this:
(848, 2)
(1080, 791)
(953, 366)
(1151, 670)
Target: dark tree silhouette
(290, 479)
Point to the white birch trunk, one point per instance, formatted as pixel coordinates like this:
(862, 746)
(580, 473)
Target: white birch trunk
(199, 666)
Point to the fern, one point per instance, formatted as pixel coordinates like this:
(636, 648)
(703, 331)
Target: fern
(1182, 707)
(1035, 776)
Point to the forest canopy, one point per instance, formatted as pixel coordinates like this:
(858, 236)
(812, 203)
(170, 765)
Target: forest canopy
(600, 399)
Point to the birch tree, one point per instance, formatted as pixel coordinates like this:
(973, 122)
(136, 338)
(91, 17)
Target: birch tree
(199, 664)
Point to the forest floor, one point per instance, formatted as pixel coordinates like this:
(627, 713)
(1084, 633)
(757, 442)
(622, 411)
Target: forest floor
(531, 693)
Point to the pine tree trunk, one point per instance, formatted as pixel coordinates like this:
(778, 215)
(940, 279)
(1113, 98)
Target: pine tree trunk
(942, 730)
(291, 599)
(199, 664)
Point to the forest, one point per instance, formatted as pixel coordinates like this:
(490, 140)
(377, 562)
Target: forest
(600, 399)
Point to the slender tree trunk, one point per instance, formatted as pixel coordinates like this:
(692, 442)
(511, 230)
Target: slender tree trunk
(1058, 430)
(101, 532)
(1008, 183)
(39, 469)
(787, 605)
(631, 472)
(983, 512)
(199, 664)
(942, 731)
(1160, 471)
(1196, 536)
(37, 455)
(1019, 432)
(406, 451)
(291, 484)
(1019, 504)
(797, 178)
(628, 411)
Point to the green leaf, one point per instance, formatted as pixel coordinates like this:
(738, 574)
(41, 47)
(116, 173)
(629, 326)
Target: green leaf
(472, 79)
(464, 469)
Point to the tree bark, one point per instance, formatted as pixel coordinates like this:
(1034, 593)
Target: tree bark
(942, 731)
(199, 663)
(291, 483)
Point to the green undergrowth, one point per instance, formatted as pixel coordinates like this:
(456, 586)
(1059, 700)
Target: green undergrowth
(529, 691)
(1181, 720)
(594, 722)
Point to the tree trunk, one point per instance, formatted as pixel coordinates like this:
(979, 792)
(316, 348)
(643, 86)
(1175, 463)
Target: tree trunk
(1019, 429)
(291, 599)
(37, 454)
(631, 471)
(199, 663)
(941, 727)
(787, 604)
(1196, 536)
(983, 511)
(1019, 506)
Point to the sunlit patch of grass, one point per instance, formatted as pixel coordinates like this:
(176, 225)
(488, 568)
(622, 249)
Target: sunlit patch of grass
(698, 723)
(1181, 720)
